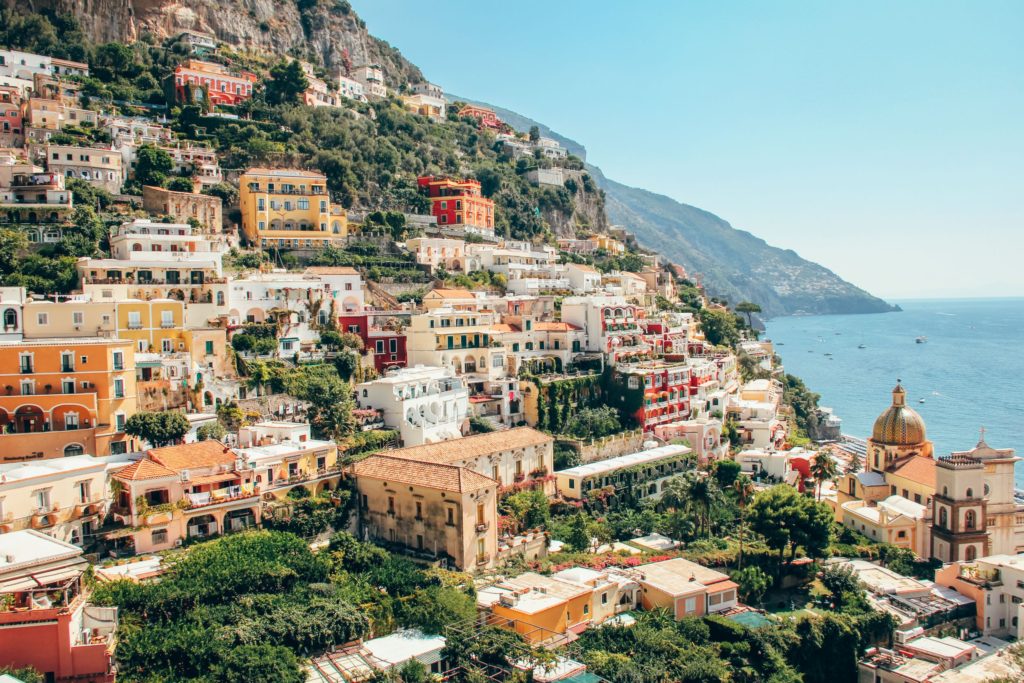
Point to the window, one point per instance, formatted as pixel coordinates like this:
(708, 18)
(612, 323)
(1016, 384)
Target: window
(42, 497)
(119, 421)
(604, 598)
(209, 348)
(303, 204)
(586, 609)
(67, 386)
(78, 318)
(391, 505)
(450, 521)
(67, 361)
(43, 318)
(134, 320)
(166, 318)
(419, 510)
(159, 536)
(84, 491)
(691, 606)
(118, 360)
(119, 388)
(380, 346)
(393, 345)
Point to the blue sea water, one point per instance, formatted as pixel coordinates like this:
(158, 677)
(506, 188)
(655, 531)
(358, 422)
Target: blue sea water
(969, 373)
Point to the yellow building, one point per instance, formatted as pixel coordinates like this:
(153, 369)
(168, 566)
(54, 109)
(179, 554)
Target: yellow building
(289, 209)
(539, 608)
(155, 326)
(284, 455)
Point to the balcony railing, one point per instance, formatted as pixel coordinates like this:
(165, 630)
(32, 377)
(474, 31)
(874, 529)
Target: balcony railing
(224, 495)
(483, 558)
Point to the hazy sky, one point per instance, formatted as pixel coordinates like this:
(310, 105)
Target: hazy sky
(884, 140)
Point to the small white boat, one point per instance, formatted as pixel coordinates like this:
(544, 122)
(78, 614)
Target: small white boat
(921, 340)
(920, 400)
(861, 346)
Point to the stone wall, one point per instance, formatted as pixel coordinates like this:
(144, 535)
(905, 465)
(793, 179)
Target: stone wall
(611, 446)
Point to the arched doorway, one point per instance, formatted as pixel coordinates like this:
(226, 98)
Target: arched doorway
(202, 526)
(29, 419)
(73, 449)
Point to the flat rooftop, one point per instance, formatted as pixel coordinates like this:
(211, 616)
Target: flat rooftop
(679, 576)
(623, 461)
(28, 547)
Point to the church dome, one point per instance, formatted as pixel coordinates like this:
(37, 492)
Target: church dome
(899, 425)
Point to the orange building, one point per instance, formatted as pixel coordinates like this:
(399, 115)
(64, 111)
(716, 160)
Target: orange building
(459, 203)
(65, 396)
(486, 117)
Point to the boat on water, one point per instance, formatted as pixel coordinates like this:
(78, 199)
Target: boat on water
(921, 340)
(861, 346)
(920, 400)
(828, 353)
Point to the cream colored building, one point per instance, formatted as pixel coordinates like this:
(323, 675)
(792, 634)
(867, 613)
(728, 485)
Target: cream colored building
(182, 206)
(432, 510)
(284, 455)
(96, 165)
(508, 457)
(65, 498)
(458, 339)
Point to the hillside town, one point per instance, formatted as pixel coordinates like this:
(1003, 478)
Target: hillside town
(253, 427)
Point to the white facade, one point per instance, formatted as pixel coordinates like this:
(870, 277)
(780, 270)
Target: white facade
(425, 404)
(144, 239)
(351, 89)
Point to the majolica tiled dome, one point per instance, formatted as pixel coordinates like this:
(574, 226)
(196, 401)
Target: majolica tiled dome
(899, 425)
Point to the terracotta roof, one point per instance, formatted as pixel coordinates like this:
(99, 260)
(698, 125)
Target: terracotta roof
(144, 469)
(585, 268)
(470, 447)
(556, 327)
(917, 468)
(331, 270)
(451, 293)
(427, 474)
(190, 455)
(503, 327)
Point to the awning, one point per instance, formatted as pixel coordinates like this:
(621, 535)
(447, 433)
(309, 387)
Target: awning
(213, 478)
(45, 576)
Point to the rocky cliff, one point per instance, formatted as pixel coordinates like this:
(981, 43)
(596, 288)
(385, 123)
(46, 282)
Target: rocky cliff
(325, 32)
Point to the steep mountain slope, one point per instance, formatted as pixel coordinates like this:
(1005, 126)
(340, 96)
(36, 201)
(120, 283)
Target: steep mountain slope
(325, 33)
(731, 263)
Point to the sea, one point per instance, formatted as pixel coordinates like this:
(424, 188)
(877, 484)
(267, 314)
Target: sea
(967, 376)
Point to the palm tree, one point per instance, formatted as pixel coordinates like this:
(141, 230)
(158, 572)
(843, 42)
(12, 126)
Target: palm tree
(702, 496)
(674, 493)
(823, 469)
(744, 489)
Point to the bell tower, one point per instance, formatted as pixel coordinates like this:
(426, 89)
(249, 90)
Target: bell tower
(959, 531)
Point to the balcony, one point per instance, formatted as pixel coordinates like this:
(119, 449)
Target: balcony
(91, 507)
(482, 526)
(225, 495)
(483, 558)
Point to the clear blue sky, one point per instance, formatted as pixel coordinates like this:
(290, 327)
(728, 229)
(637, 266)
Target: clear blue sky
(884, 140)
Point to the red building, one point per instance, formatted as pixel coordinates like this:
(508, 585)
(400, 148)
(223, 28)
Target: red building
(459, 203)
(486, 117)
(387, 346)
(46, 620)
(224, 86)
(652, 393)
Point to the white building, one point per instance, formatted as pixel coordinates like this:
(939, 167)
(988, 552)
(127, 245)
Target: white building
(610, 325)
(311, 298)
(425, 404)
(352, 89)
(371, 76)
(440, 251)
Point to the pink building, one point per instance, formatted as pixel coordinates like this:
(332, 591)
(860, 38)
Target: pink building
(192, 490)
(46, 619)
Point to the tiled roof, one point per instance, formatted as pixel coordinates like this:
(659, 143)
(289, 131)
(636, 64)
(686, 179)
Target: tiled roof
(452, 293)
(144, 469)
(556, 327)
(190, 455)
(470, 447)
(284, 172)
(918, 468)
(503, 327)
(331, 270)
(583, 267)
(427, 474)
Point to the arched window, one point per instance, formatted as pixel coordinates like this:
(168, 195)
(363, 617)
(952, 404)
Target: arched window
(970, 493)
(10, 318)
(943, 518)
(73, 449)
(970, 553)
(220, 298)
(970, 520)
(945, 490)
